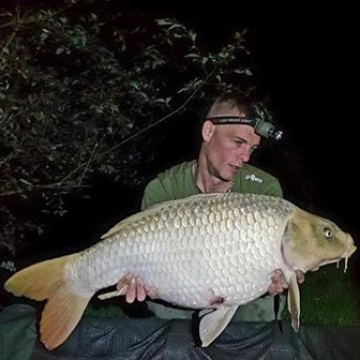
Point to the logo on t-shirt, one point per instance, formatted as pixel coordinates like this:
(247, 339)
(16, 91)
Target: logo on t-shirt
(253, 177)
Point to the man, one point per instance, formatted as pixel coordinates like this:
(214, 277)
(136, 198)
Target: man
(230, 134)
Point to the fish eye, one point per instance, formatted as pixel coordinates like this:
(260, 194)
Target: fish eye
(327, 232)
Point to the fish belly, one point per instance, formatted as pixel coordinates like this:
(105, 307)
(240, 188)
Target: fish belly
(192, 253)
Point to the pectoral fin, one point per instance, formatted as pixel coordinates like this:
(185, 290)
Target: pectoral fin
(213, 323)
(293, 300)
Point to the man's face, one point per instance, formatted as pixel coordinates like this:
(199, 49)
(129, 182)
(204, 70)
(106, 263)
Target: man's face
(228, 147)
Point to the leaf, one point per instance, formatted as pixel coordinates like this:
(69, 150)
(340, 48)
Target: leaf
(59, 50)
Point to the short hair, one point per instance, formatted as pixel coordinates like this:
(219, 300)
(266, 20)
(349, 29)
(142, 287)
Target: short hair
(231, 100)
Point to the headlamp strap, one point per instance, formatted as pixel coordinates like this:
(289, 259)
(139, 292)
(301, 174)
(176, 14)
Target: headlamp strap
(219, 120)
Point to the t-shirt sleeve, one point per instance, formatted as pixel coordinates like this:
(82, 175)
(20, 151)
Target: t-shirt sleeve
(154, 193)
(149, 196)
(275, 189)
(173, 183)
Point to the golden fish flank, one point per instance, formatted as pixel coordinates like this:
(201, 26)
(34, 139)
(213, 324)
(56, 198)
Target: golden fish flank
(233, 242)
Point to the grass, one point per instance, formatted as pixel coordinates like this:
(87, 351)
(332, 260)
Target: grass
(115, 307)
(330, 297)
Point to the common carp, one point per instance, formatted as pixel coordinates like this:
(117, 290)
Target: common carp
(232, 242)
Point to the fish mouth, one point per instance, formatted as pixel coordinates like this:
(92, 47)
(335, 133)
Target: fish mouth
(349, 251)
(351, 248)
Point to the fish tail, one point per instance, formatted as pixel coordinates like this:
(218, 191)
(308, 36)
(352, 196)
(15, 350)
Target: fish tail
(64, 307)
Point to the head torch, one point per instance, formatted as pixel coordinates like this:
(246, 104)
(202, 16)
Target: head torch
(259, 119)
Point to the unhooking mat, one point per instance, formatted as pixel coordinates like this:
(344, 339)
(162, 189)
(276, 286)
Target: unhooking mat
(155, 339)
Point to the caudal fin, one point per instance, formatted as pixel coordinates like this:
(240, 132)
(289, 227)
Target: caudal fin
(63, 309)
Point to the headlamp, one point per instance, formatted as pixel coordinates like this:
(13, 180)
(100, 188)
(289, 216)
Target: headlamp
(259, 119)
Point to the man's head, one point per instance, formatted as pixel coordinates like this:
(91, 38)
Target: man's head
(226, 147)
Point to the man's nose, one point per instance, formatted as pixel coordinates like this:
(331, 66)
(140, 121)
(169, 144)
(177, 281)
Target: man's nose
(245, 154)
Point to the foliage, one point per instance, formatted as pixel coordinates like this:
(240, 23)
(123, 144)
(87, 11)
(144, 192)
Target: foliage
(82, 86)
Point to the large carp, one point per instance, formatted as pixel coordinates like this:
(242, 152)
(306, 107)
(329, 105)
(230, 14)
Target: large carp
(207, 251)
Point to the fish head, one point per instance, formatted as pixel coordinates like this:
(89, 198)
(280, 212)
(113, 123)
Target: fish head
(311, 241)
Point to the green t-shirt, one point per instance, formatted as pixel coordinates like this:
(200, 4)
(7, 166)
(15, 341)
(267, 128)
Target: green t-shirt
(178, 182)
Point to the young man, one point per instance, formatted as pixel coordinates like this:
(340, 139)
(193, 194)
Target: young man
(230, 134)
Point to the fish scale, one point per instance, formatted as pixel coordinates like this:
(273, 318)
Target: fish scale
(157, 256)
(207, 251)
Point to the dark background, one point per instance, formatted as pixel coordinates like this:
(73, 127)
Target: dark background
(305, 59)
(306, 62)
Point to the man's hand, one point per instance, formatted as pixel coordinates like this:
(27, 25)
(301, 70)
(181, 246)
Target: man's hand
(279, 283)
(134, 288)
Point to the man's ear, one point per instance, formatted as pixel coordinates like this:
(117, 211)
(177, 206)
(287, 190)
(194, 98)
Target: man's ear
(207, 130)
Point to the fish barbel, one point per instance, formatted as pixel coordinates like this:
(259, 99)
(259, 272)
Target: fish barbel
(232, 242)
